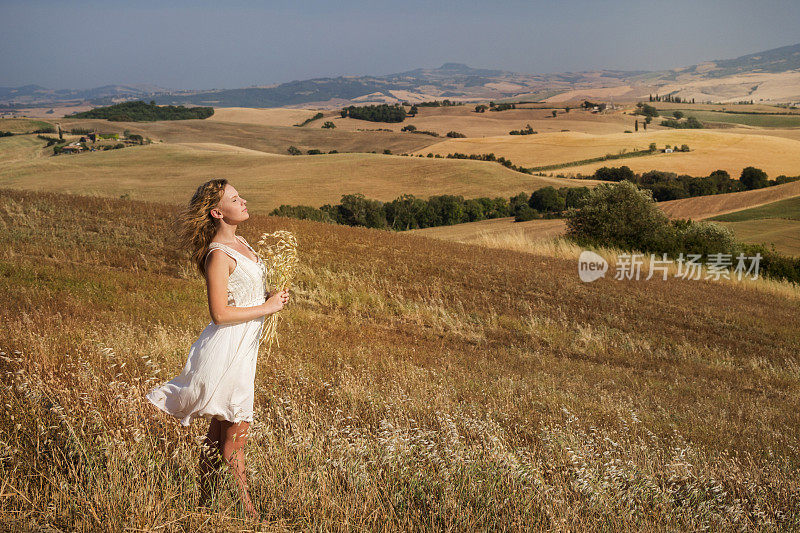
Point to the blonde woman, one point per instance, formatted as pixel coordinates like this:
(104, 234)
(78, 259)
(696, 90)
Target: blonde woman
(218, 380)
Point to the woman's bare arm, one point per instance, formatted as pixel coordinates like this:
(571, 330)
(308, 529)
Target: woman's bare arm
(218, 267)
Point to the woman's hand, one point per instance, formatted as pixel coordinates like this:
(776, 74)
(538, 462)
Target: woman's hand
(276, 302)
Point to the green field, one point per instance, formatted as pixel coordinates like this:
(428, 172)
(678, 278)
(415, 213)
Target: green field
(783, 234)
(777, 224)
(746, 119)
(787, 209)
(22, 125)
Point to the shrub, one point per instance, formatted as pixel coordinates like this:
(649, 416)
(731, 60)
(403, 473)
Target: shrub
(701, 237)
(293, 150)
(303, 212)
(618, 215)
(455, 135)
(410, 127)
(525, 213)
(329, 125)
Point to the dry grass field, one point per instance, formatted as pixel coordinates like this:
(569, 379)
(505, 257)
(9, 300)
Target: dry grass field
(277, 116)
(710, 150)
(274, 139)
(419, 385)
(471, 232)
(463, 119)
(163, 172)
(21, 125)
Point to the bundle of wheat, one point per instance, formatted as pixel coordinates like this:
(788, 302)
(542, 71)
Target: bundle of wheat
(278, 251)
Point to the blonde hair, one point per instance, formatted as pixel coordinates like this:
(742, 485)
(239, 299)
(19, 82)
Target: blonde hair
(196, 225)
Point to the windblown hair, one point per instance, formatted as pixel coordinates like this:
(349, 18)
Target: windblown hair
(196, 225)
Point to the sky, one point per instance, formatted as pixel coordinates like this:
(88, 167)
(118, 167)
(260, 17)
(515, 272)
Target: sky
(229, 44)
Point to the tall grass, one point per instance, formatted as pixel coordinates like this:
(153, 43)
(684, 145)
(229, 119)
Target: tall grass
(563, 248)
(419, 385)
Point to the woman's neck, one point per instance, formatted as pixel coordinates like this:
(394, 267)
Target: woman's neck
(225, 233)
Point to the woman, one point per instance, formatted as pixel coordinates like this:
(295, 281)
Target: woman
(218, 379)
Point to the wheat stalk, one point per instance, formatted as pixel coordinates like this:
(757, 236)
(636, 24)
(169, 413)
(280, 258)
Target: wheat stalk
(278, 251)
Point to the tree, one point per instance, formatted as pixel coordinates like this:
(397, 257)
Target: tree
(575, 195)
(355, 210)
(546, 199)
(636, 125)
(480, 108)
(677, 114)
(407, 212)
(646, 110)
(293, 150)
(554, 112)
(614, 174)
(446, 209)
(753, 178)
(328, 125)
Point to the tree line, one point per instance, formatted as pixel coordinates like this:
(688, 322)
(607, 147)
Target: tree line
(670, 98)
(670, 186)
(376, 113)
(409, 212)
(139, 111)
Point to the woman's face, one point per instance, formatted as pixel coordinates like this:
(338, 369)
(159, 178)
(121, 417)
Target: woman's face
(232, 208)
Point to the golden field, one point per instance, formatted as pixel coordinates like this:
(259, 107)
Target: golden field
(265, 138)
(463, 119)
(164, 171)
(419, 385)
(276, 116)
(471, 232)
(710, 150)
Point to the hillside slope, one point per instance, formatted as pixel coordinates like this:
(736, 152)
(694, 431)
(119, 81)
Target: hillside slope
(165, 171)
(701, 207)
(406, 366)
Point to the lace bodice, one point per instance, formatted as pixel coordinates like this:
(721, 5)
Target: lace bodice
(246, 282)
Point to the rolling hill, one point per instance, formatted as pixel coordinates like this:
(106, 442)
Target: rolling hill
(419, 370)
(170, 171)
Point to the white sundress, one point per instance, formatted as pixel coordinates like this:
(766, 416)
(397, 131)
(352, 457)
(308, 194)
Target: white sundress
(218, 379)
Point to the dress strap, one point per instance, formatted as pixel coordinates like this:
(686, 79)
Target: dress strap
(223, 247)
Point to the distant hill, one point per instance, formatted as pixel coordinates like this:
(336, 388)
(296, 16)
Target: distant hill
(768, 76)
(775, 60)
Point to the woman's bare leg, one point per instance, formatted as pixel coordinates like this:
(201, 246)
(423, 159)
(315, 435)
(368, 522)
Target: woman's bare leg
(234, 437)
(209, 461)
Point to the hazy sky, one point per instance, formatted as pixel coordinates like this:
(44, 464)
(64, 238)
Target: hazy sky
(227, 44)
